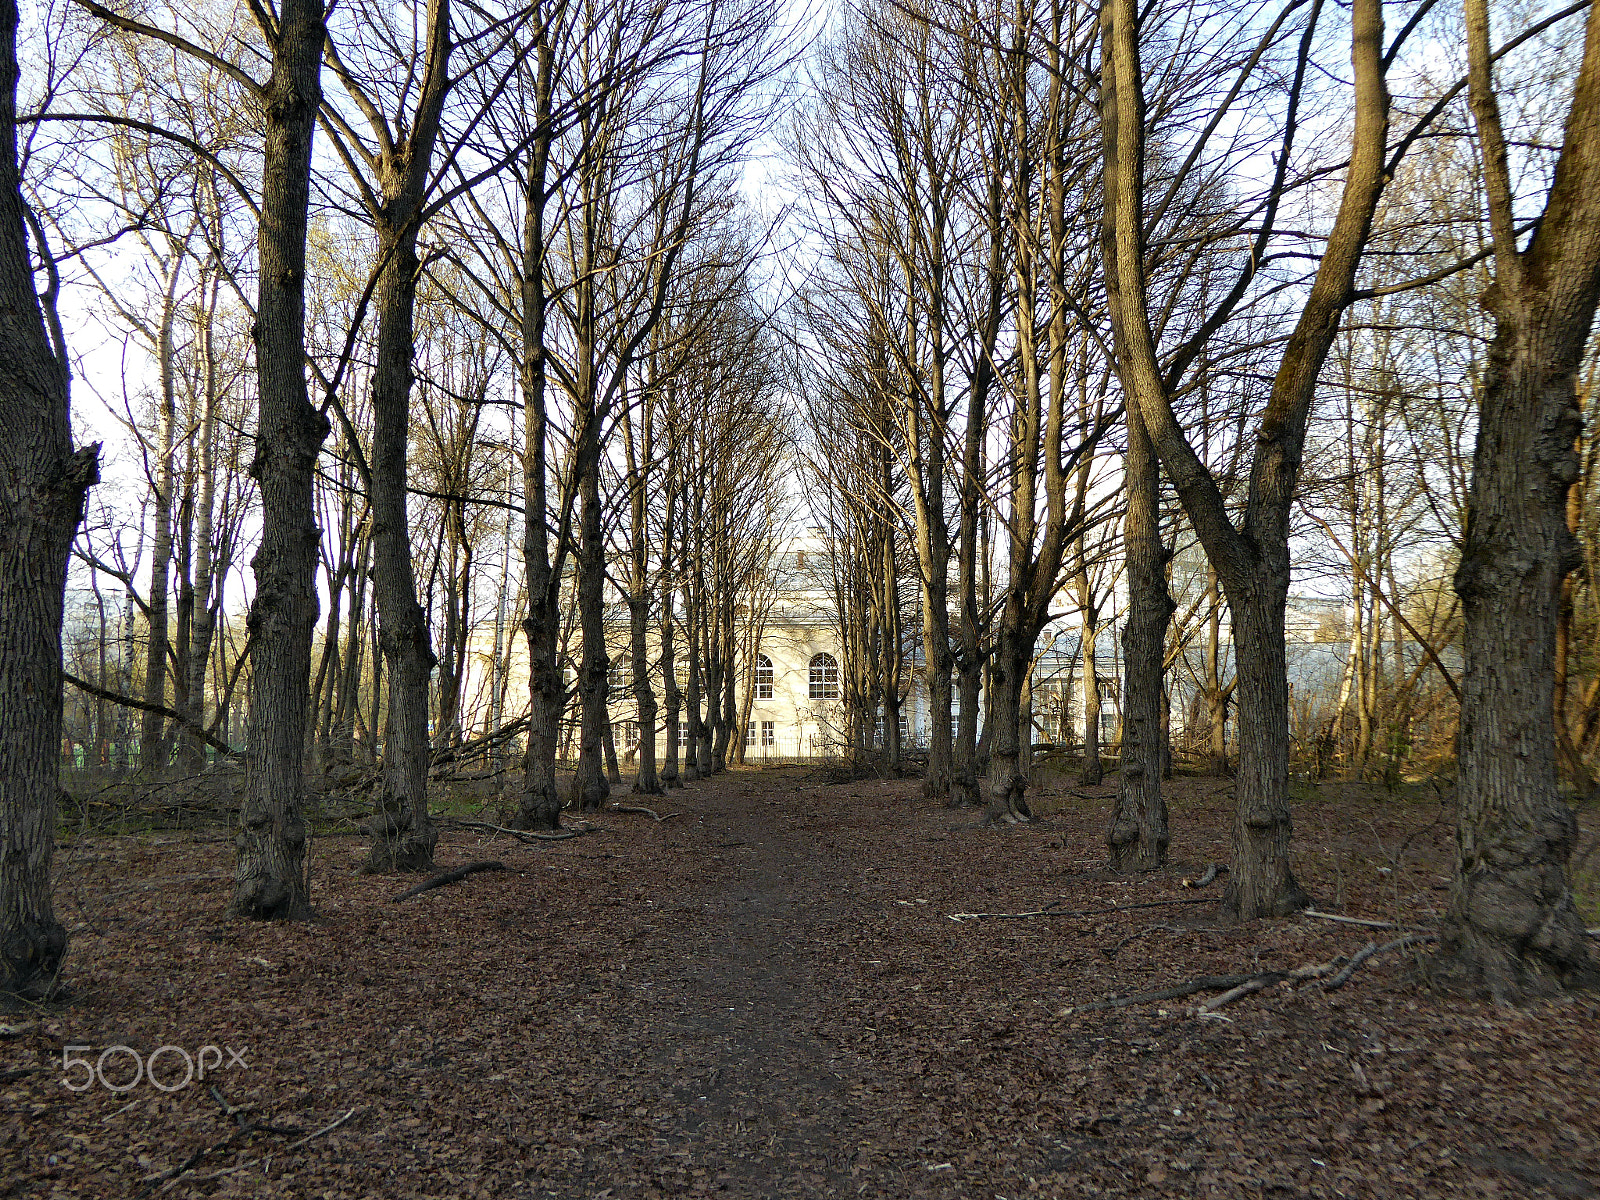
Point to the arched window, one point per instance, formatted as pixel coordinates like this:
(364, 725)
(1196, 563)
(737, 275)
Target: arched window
(763, 677)
(824, 677)
(617, 673)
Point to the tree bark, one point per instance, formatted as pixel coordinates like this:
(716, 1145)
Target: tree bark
(152, 727)
(270, 880)
(539, 805)
(1138, 835)
(403, 838)
(206, 567)
(1512, 928)
(590, 786)
(669, 666)
(1093, 770)
(42, 488)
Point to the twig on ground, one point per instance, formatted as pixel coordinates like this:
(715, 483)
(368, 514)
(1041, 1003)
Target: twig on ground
(639, 808)
(1206, 983)
(1231, 986)
(1264, 980)
(238, 1111)
(447, 877)
(1361, 921)
(530, 836)
(1267, 978)
(328, 1128)
(161, 883)
(248, 1163)
(1593, 932)
(170, 1177)
(1112, 951)
(1072, 912)
(1372, 950)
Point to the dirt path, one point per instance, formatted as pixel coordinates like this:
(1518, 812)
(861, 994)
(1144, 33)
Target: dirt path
(755, 1087)
(764, 997)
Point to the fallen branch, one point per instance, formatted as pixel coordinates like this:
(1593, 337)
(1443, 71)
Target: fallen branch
(328, 1128)
(639, 808)
(1072, 912)
(157, 884)
(100, 693)
(1362, 921)
(238, 1111)
(253, 1162)
(530, 836)
(1593, 932)
(468, 749)
(1113, 951)
(447, 877)
(1265, 980)
(169, 1177)
(1206, 983)
(1372, 950)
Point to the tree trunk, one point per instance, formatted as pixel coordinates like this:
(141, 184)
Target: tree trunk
(270, 881)
(206, 586)
(645, 781)
(1138, 834)
(1512, 928)
(42, 486)
(1216, 695)
(1260, 883)
(608, 740)
(1093, 771)
(1008, 778)
(889, 582)
(539, 805)
(590, 787)
(669, 664)
(964, 789)
(152, 725)
(1252, 559)
(403, 838)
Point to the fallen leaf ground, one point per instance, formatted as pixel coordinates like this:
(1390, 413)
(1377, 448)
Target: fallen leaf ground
(765, 997)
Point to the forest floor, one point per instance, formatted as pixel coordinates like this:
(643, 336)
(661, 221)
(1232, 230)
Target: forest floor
(765, 996)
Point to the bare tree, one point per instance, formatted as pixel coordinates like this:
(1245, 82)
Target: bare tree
(1252, 557)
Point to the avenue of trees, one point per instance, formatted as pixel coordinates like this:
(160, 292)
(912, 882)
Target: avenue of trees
(445, 336)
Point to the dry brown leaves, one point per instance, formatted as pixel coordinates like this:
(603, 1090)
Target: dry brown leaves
(765, 997)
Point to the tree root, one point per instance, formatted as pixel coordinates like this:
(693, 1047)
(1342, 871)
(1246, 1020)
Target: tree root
(447, 877)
